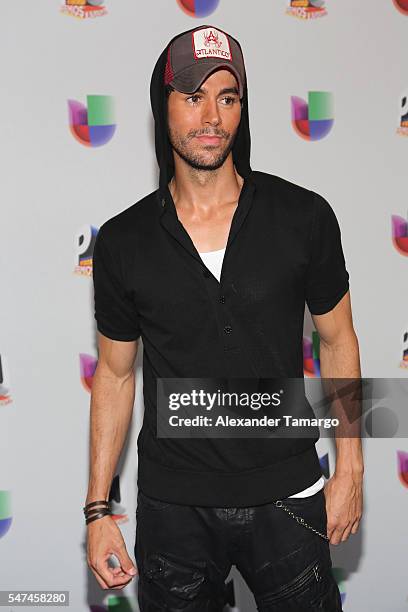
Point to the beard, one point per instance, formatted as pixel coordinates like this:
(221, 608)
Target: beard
(197, 159)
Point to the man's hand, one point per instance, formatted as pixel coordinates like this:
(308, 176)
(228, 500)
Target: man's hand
(105, 539)
(344, 505)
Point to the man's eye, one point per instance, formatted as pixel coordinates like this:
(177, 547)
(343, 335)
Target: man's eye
(191, 98)
(232, 100)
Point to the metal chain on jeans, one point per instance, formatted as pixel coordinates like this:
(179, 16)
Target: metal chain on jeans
(279, 504)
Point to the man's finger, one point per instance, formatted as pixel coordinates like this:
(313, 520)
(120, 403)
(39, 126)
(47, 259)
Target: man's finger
(346, 533)
(126, 562)
(331, 528)
(336, 536)
(121, 586)
(107, 575)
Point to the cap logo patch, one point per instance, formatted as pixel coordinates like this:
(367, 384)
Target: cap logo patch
(210, 42)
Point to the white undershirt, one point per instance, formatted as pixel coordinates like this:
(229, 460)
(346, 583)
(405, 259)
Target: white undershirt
(213, 260)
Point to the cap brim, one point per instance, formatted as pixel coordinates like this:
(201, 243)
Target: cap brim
(190, 79)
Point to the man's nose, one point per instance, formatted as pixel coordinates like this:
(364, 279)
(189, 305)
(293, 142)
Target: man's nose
(211, 112)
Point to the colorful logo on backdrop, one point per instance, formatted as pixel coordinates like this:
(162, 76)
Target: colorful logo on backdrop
(311, 355)
(87, 367)
(5, 397)
(118, 511)
(399, 233)
(324, 465)
(307, 9)
(5, 512)
(84, 243)
(116, 603)
(402, 460)
(402, 6)
(198, 8)
(339, 574)
(92, 125)
(404, 360)
(313, 120)
(402, 128)
(84, 9)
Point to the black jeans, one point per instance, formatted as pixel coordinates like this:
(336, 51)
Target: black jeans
(185, 553)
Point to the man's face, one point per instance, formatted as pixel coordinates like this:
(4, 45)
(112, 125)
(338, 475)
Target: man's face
(213, 110)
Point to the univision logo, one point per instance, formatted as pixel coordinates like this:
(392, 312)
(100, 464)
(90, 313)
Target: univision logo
(5, 512)
(339, 574)
(198, 8)
(402, 459)
(402, 6)
(92, 125)
(87, 367)
(5, 397)
(83, 9)
(311, 355)
(307, 9)
(116, 603)
(324, 465)
(313, 120)
(399, 232)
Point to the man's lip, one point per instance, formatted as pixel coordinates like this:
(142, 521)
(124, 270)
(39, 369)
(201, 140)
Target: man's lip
(209, 139)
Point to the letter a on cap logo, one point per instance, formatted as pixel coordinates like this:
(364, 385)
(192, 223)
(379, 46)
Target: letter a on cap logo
(210, 42)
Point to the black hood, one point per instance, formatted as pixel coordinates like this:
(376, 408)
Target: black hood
(164, 151)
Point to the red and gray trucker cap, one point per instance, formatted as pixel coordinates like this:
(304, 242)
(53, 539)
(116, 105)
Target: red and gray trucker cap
(193, 55)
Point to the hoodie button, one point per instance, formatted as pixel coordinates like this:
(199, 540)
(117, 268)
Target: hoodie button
(163, 202)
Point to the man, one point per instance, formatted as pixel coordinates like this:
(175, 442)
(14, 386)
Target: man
(207, 503)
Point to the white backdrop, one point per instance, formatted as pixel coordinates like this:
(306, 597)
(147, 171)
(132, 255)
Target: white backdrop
(54, 189)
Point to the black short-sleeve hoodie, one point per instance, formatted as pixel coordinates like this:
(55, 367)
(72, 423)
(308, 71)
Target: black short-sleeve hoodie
(284, 250)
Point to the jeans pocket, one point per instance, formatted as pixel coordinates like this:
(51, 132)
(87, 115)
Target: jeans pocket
(309, 512)
(171, 583)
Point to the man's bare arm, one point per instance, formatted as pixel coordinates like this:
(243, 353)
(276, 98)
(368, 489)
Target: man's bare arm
(112, 398)
(339, 358)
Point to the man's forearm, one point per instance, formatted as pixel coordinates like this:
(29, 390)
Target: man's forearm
(112, 401)
(342, 361)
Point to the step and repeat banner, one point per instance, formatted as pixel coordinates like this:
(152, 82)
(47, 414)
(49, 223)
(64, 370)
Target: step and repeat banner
(328, 103)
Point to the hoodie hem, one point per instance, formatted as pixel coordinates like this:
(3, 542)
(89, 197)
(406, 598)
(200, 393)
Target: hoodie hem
(229, 489)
